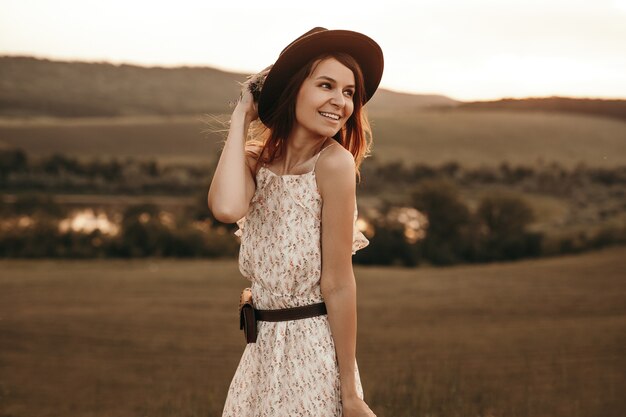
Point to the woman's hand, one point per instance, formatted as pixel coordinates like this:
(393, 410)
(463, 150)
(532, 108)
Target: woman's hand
(246, 106)
(356, 407)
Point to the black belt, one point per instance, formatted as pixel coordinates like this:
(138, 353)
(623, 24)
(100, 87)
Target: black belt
(249, 316)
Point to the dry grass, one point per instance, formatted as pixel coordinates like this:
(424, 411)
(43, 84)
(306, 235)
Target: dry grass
(160, 338)
(471, 138)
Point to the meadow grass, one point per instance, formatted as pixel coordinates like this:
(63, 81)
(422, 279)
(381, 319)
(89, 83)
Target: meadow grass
(158, 337)
(471, 138)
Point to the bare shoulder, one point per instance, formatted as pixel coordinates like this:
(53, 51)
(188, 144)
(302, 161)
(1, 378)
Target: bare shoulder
(335, 169)
(335, 160)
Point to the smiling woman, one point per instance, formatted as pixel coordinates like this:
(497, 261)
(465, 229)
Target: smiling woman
(291, 189)
(332, 100)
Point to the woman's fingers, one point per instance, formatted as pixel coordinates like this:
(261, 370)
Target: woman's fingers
(250, 89)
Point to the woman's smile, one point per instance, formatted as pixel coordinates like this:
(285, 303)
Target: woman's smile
(329, 118)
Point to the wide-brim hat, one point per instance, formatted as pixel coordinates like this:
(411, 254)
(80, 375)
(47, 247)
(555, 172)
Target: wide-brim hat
(318, 40)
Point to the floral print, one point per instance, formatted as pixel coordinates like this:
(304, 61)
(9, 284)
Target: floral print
(292, 368)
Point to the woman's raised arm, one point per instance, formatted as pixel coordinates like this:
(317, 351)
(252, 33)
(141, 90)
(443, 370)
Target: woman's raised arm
(233, 184)
(228, 194)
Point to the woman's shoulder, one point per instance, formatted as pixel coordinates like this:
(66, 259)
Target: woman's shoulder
(336, 169)
(336, 159)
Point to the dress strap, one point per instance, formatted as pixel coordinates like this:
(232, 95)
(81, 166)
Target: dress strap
(320, 152)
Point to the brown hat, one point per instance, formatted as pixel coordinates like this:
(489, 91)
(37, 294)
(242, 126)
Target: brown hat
(363, 49)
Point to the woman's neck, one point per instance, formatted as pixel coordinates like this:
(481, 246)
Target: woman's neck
(297, 156)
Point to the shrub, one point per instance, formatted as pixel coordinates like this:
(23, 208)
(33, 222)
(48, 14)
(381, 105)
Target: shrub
(449, 220)
(502, 221)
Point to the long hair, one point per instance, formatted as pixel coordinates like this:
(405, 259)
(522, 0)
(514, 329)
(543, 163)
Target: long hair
(355, 135)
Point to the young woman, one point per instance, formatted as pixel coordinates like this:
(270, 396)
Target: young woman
(292, 191)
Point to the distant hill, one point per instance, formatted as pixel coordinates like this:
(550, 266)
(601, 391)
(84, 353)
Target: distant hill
(41, 87)
(74, 89)
(594, 107)
(387, 101)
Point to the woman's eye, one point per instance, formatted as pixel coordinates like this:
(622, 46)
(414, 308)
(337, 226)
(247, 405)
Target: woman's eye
(351, 93)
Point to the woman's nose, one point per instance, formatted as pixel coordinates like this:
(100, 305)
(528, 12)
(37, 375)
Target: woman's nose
(338, 99)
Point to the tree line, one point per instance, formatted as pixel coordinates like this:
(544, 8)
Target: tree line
(497, 230)
(497, 227)
(62, 173)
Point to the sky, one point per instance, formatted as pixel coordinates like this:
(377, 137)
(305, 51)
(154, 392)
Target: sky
(464, 49)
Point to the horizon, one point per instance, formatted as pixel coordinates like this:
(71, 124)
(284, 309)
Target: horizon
(243, 73)
(482, 51)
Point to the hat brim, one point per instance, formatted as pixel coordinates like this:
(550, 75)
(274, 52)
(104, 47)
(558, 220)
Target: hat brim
(362, 48)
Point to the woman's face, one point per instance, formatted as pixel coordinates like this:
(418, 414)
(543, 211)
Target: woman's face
(329, 89)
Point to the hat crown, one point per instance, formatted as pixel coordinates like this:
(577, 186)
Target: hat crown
(310, 32)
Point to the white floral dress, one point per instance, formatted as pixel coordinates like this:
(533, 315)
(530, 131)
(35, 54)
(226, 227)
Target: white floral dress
(292, 368)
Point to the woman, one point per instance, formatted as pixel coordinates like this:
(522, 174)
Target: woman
(293, 196)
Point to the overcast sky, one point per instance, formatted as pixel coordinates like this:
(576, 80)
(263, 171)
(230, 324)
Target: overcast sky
(468, 50)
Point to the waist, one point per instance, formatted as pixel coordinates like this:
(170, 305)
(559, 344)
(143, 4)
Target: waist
(291, 313)
(284, 296)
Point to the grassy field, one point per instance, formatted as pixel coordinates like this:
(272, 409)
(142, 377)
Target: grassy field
(160, 338)
(472, 138)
